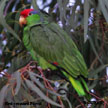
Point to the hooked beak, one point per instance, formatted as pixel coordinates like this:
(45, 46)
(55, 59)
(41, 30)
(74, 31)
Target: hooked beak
(22, 21)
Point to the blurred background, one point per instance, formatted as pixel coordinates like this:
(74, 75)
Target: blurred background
(86, 22)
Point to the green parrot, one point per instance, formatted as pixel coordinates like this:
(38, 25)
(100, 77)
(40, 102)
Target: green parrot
(51, 46)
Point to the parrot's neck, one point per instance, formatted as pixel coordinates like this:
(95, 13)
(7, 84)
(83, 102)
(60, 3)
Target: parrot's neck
(33, 19)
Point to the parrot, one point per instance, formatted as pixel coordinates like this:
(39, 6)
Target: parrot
(52, 47)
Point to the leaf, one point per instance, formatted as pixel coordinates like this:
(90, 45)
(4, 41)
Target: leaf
(40, 93)
(9, 96)
(65, 2)
(86, 16)
(103, 8)
(72, 21)
(94, 49)
(94, 83)
(33, 78)
(3, 94)
(26, 95)
(18, 81)
(62, 8)
(106, 3)
(34, 3)
(96, 71)
(16, 25)
(3, 22)
(69, 103)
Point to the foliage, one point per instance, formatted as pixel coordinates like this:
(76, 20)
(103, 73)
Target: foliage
(23, 81)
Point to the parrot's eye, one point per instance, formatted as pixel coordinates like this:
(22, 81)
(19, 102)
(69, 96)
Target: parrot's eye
(30, 14)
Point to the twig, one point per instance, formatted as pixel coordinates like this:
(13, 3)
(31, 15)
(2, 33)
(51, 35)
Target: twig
(105, 102)
(47, 85)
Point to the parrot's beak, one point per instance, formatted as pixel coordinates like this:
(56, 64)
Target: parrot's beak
(22, 21)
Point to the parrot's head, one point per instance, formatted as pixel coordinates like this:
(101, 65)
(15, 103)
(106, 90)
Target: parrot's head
(27, 13)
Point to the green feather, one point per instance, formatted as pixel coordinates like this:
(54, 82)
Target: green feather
(47, 42)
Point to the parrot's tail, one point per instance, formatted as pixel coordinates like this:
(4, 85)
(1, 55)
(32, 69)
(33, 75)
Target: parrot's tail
(79, 85)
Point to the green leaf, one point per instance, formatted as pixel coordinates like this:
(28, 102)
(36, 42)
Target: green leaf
(92, 73)
(94, 49)
(3, 22)
(3, 94)
(40, 93)
(106, 3)
(62, 8)
(34, 3)
(26, 95)
(73, 18)
(33, 78)
(86, 16)
(94, 83)
(18, 82)
(104, 9)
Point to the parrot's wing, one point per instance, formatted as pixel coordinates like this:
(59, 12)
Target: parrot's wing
(53, 44)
